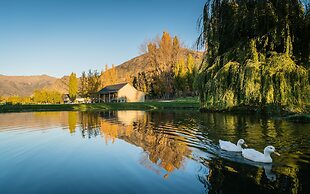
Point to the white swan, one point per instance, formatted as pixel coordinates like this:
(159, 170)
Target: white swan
(256, 156)
(228, 146)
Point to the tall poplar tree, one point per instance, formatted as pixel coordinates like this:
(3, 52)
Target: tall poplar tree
(73, 87)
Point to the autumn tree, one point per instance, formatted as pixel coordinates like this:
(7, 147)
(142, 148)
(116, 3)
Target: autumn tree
(73, 87)
(180, 71)
(47, 97)
(13, 100)
(94, 82)
(143, 82)
(2, 99)
(83, 89)
(165, 51)
(109, 76)
(176, 49)
(172, 70)
(162, 54)
(191, 71)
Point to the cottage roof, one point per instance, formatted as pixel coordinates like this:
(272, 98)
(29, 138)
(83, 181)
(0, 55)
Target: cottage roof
(112, 88)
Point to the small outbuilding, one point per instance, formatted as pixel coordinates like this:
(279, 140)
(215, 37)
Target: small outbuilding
(78, 99)
(123, 92)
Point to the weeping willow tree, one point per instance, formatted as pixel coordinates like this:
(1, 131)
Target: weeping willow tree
(257, 54)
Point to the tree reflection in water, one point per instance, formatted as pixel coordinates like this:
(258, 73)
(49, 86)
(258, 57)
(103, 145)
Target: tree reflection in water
(139, 128)
(72, 121)
(168, 139)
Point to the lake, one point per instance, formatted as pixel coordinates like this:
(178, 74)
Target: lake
(148, 152)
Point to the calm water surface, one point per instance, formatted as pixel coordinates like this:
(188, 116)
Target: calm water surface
(148, 152)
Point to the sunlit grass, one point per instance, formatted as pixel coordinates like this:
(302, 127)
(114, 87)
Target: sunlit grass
(189, 103)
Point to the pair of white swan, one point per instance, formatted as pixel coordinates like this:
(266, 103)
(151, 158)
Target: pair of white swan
(250, 154)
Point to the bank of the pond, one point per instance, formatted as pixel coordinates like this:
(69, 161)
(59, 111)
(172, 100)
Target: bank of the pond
(266, 110)
(101, 106)
(299, 115)
(149, 106)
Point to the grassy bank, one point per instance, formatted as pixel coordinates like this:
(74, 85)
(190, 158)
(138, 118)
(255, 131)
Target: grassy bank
(154, 105)
(183, 104)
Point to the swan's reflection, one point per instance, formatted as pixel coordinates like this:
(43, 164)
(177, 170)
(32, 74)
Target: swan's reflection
(268, 172)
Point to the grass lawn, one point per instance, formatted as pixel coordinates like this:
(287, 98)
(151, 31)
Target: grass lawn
(185, 103)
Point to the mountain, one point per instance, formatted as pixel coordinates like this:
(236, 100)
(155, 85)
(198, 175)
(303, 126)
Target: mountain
(26, 85)
(60, 85)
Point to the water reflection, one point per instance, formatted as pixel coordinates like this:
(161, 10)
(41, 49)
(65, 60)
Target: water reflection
(170, 140)
(288, 173)
(167, 140)
(72, 121)
(160, 150)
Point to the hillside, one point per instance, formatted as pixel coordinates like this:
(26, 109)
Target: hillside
(23, 85)
(132, 67)
(26, 85)
(60, 85)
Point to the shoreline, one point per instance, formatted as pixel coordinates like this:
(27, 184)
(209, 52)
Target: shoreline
(99, 106)
(152, 106)
(269, 111)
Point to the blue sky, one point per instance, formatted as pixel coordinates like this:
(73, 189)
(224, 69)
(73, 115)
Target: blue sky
(57, 37)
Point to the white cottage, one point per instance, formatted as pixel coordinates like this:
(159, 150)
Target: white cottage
(120, 93)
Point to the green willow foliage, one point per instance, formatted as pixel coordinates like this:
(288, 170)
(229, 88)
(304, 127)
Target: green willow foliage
(252, 51)
(277, 26)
